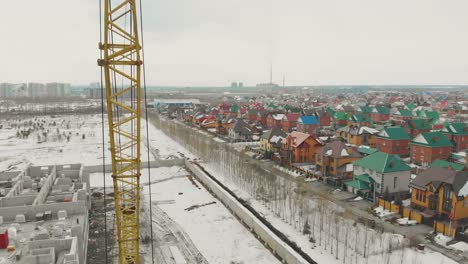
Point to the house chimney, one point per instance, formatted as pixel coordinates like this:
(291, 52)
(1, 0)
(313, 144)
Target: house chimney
(435, 138)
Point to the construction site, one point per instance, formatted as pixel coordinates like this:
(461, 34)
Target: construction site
(110, 175)
(44, 215)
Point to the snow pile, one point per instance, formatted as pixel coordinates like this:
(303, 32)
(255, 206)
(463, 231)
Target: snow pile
(442, 240)
(406, 221)
(383, 213)
(462, 246)
(290, 172)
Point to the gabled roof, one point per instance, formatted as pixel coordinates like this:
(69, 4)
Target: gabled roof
(299, 138)
(365, 109)
(381, 110)
(307, 120)
(330, 111)
(278, 116)
(419, 124)
(338, 149)
(394, 133)
(358, 130)
(274, 132)
(348, 108)
(234, 108)
(431, 114)
(359, 118)
(242, 127)
(432, 139)
(410, 106)
(403, 112)
(292, 117)
(382, 163)
(437, 176)
(447, 164)
(367, 150)
(341, 115)
(456, 129)
(360, 182)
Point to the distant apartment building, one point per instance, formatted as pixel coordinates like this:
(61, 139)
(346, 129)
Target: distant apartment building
(5, 90)
(55, 89)
(11, 90)
(34, 90)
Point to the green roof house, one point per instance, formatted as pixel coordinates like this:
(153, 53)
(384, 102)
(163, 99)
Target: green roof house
(388, 173)
(447, 164)
(458, 134)
(402, 114)
(393, 140)
(427, 147)
(361, 185)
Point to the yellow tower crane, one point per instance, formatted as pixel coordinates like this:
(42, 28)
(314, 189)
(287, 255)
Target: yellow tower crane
(121, 62)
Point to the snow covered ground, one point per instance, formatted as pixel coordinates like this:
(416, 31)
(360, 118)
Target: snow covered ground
(217, 234)
(58, 140)
(167, 147)
(69, 139)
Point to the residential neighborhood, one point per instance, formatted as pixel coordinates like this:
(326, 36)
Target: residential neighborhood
(407, 150)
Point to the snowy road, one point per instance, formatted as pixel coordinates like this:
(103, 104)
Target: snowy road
(167, 234)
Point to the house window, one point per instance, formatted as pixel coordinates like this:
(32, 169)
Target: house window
(395, 179)
(465, 203)
(447, 202)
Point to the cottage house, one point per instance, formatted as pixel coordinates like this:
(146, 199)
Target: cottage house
(429, 146)
(415, 127)
(458, 134)
(393, 140)
(359, 120)
(274, 120)
(288, 123)
(358, 135)
(270, 141)
(402, 115)
(380, 174)
(380, 114)
(440, 195)
(335, 159)
(240, 130)
(299, 147)
(307, 124)
(323, 117)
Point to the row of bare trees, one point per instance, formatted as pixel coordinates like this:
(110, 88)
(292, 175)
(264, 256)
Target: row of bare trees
(320, 224)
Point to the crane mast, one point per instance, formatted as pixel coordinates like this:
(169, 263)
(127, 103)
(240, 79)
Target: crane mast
(121, 63)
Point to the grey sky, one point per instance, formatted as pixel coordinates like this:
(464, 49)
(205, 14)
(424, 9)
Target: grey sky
(213, 42)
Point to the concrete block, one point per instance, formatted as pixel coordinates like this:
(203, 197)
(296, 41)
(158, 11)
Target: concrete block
(41, 235)
(57, 231)
(62, 214)
(20, 218)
